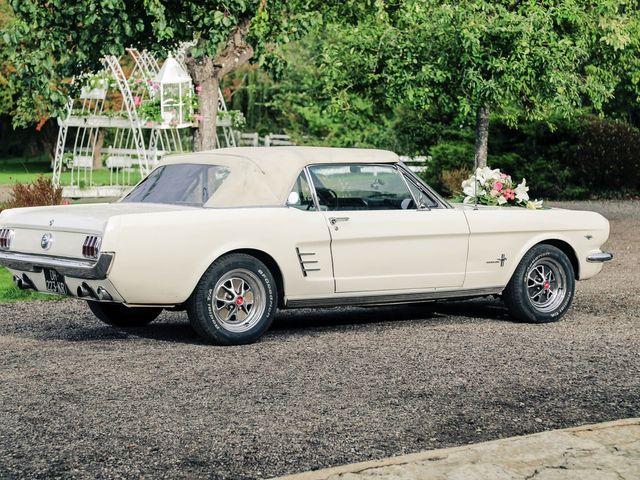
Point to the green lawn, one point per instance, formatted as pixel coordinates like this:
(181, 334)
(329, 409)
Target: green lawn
(18, 170)
(9, 292)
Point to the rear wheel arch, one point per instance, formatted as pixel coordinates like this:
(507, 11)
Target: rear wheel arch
(269, 262)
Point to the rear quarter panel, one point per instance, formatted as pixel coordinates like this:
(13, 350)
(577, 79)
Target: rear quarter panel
(160, 257)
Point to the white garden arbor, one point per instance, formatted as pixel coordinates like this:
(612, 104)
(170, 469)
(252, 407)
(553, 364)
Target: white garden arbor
(127, 122)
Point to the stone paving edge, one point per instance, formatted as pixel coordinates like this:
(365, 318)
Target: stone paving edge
(356, 468)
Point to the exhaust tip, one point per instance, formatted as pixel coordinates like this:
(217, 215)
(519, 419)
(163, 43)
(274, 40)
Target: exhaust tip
(85, 290)
(23, 283)
(102, 294)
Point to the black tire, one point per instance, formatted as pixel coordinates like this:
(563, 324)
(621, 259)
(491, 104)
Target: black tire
(118, 315)
(521, 295)
(242, 289)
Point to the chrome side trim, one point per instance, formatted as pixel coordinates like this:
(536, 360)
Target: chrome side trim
(70, 267)
(392, 298)
(600, 257)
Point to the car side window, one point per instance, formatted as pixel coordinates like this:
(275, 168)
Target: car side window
(424, 200)
(300, 196)
(360, 187)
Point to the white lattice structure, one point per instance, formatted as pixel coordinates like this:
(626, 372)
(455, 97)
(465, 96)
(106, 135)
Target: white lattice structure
(94, 134)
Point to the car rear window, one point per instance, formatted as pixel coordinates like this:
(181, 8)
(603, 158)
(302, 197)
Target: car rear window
(179, 184)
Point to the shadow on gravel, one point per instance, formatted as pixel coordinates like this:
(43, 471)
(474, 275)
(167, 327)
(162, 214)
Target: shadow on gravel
(436, 312)
(173, 331)
(174, 327)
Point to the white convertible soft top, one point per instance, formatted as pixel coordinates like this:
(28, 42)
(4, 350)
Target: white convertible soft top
(261, 176)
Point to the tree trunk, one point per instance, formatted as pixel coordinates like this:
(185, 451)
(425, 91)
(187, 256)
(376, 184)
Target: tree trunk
(48, 137)
(482, 137)
(203, 74)
(207, 73)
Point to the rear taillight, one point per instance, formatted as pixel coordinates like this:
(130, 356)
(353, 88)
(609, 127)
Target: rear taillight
(91, 246)
(6, 236)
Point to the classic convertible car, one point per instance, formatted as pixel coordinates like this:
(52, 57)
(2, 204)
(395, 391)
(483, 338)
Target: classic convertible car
(231, 235)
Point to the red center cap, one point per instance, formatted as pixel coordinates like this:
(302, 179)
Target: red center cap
(546, 285)
(239, 301)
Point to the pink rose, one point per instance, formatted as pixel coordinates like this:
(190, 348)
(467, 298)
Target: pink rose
(137, 101)
(198, 88)
(498, 186)
(494, 193)
(509, 194)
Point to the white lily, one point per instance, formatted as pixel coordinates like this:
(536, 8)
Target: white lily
(534, 205)
(521, 191)
(501, 200)
(468, 187)
(486, 174)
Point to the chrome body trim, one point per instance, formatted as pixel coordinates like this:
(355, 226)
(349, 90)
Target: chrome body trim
(70, 267)
(388, 299)
(312, 189)
(600, 257)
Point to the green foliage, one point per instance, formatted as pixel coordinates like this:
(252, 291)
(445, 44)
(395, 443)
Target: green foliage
(48, 43)
(6, 69)
(521, 61)
(588, 157)
(150, 110)
(525, 60)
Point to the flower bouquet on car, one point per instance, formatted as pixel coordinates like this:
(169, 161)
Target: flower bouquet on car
(492, 187)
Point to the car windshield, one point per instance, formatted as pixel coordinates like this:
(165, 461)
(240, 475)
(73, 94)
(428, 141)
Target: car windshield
(179, 184)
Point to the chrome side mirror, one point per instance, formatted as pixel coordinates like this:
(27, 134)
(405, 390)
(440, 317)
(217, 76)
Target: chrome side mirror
(293, 198)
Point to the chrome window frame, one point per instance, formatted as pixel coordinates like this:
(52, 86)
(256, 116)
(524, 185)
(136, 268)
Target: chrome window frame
(423, 186)
(312, 189)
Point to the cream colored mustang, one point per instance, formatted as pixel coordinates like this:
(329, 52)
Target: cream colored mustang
(233, 234)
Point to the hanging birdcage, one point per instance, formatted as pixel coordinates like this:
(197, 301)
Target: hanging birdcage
(174, 92)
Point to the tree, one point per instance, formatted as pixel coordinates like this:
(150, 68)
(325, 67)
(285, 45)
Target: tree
(518, 60)
(50, 41)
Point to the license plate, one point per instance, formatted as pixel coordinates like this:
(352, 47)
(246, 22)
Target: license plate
(54, 282)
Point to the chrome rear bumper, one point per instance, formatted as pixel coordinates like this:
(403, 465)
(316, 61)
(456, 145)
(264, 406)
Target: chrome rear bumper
(70, 267)
(600, 257)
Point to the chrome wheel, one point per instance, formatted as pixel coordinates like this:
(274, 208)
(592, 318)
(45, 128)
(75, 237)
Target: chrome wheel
(546, 285)
(239, 300)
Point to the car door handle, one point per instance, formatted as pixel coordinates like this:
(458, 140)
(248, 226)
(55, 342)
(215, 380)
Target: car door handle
(334, 220)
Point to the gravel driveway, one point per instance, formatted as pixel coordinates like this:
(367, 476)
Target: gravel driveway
(326, 387)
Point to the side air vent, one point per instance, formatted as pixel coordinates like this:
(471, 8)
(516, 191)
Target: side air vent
(307, 262)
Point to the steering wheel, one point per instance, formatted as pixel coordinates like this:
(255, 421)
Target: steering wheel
(327, 196)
